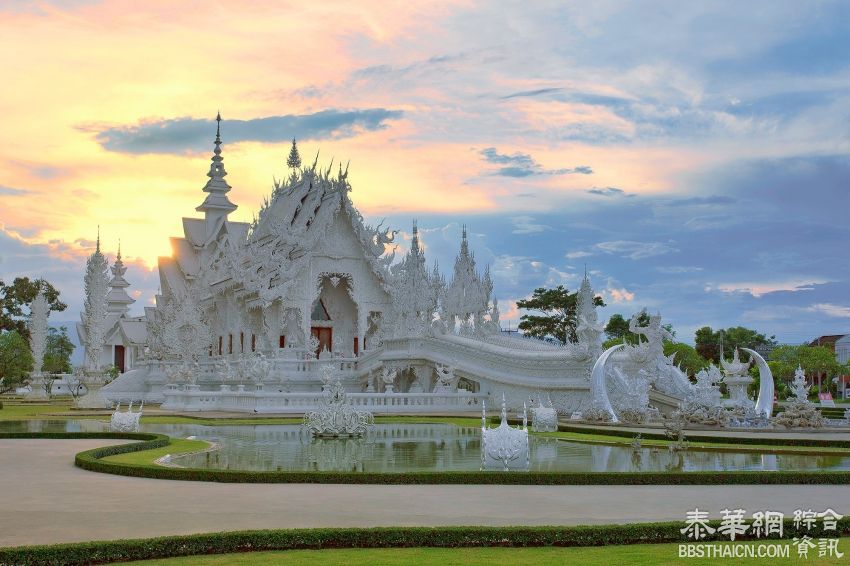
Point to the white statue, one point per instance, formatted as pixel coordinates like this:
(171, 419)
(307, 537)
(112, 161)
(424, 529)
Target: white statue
(260, 368)
(127, 421)
(388, 377)
(654, 333)
(504, 447)
(800, 412)
(336, 417)
(39, 311)
(543, 418)
(328, 375)
(799, 387)
(446, 379)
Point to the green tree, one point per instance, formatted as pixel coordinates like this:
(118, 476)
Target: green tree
(708, 341)
(557, 320)
(58, 350)
(815, 361)
(294, 159)
(15, 361)
(617, 327)
(15, 297)
(686, 356)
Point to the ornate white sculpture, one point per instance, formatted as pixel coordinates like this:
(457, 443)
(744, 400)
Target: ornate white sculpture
(737, 380)
(337, 417)
(388, 377)
(543, 418)
(600, 403)
(94, 316)
(764, 402)
(127, 421)
(588, 329)
(800, 412)
(504, 447)
(260, 368)
(39, 310)
(446, 379)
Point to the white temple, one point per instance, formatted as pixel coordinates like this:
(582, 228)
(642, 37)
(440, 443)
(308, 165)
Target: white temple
(309, 288)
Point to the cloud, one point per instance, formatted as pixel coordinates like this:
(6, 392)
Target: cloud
(523, 165)
(675, 269)
(830, 309)
(9, 191)
(577, 254)
(532, 93)
(712, 200)
(179, 135)
(610, 192)
(527, 225)
(635, 250)
(621, 295)
(759, 288)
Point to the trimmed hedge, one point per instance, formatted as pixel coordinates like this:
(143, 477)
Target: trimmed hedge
(392, 537)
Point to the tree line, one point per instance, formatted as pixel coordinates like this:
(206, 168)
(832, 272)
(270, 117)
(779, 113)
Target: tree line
(552, 317)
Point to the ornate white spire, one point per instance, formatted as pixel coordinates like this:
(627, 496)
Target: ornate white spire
(39, 310)
(413, 291)
(468, 295)
(94, 315)
(588, 327)
(216, 204)
(117, 300)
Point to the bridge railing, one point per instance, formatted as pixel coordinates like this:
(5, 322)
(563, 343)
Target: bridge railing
(192, 398)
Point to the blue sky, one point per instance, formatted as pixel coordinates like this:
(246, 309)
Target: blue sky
(693, 156)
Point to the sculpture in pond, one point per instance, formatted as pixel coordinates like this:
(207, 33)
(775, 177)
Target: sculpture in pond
(336, 417)
(127, 421)
(543, 418)
(504, 447)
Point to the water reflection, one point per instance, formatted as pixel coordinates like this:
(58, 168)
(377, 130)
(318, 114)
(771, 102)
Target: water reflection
(428, 447)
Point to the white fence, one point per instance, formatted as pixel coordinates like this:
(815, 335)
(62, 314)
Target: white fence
(191, 398)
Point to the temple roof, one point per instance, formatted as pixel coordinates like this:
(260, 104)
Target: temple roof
(217, 188)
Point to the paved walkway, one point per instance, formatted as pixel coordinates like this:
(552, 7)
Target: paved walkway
(45, 499)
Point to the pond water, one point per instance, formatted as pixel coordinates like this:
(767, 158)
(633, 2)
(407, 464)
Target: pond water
(427, 447)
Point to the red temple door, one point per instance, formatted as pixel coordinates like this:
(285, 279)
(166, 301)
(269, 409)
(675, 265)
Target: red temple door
(324, 336)
(119, 358)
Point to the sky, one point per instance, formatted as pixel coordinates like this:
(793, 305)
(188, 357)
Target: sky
(693, 157)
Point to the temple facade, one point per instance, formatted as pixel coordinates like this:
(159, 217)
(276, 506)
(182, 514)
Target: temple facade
(261, 315)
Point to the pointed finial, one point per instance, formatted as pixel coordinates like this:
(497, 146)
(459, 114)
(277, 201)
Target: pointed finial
(218, 125)
(119, 249)
(97, 249)
(415, 228)
(464, 232)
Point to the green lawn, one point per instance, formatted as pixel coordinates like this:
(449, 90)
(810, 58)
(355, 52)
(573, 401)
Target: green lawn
(16, 411)
(640, 554)
(147, 457)
(598, 438)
